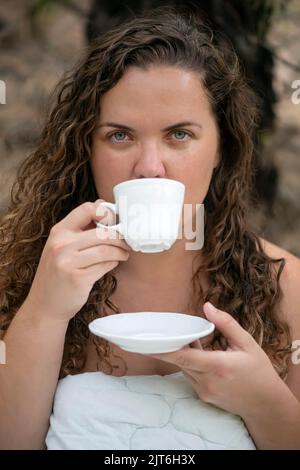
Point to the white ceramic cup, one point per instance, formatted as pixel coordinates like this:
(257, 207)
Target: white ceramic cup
(149, 211)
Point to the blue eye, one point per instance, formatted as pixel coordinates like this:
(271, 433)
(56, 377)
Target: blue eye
(118, 136)
(180, 135)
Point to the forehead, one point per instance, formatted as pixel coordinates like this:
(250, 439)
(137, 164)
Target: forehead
(157, 89)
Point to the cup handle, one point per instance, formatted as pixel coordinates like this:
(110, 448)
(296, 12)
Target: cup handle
(113, 208)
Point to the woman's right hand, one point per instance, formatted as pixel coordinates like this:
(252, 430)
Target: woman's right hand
(75, 256)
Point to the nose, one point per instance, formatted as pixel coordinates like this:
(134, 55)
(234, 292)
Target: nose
(149, 163)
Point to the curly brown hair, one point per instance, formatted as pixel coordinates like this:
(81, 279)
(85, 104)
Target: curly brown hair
(57, 177)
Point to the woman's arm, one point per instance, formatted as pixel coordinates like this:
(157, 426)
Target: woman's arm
(275, 424)
(289, 308)
(34, 347)
(75, 256)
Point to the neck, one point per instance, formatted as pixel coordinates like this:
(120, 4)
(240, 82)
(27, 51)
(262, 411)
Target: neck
(159, 267)
(157, 281)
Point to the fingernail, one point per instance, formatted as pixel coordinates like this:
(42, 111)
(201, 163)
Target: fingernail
(211, 307)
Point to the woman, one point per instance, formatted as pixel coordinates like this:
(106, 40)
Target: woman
(159, 97)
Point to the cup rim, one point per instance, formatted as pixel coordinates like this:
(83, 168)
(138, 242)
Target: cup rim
(138, 181)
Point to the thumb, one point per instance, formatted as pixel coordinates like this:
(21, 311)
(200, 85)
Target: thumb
(236, 336)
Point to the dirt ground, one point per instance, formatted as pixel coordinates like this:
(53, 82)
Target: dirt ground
(34, 55)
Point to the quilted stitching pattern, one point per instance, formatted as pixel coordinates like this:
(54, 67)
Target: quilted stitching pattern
(98, 411)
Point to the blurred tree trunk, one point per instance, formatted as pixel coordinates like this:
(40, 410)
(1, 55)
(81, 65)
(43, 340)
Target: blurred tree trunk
(246, 23)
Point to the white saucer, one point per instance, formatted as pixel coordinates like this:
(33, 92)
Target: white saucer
(151, 332)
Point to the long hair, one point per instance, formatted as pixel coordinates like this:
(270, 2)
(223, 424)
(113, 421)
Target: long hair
(57, 177)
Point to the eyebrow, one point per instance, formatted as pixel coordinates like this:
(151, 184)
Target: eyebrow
(173, 126)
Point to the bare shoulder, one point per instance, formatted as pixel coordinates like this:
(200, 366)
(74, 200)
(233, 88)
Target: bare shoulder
(289, 282)
(276, 251)
(290, 303)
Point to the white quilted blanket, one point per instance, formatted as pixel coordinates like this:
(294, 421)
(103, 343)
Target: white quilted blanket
(97, 411)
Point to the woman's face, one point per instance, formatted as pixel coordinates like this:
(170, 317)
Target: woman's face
(155, 123)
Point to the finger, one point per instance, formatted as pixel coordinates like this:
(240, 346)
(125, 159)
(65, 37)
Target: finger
(198, 381)
(98, 270)
(91, 238)
(195, 376)
(82, 216)
(104, 215)
(190, 378)
(98, 254)
(193, 359)
(237, 337)
(196, 344)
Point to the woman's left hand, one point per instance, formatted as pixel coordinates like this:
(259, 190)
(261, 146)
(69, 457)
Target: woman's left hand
(240, 380)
